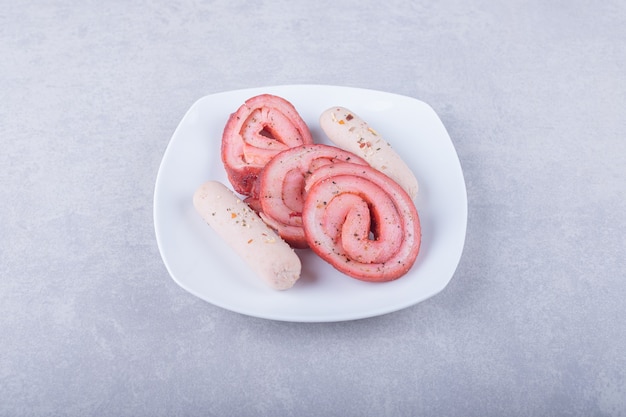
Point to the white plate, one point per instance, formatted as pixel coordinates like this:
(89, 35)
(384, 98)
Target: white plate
(200, 263)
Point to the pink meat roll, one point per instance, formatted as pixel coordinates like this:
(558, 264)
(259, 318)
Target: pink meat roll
(361, 222)
(281, 190)
(262, 127)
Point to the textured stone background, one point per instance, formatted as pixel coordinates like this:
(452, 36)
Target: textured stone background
(533, 94)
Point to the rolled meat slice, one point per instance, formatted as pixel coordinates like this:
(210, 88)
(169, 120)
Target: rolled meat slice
(262, 127)
(281, 186)
(361, 222)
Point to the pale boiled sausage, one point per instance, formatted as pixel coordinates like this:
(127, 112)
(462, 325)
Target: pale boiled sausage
(244, 231)
(348, 131)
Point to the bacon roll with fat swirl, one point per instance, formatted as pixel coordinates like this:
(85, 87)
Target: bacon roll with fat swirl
(261, 128)
(281, 186)
(361, 222)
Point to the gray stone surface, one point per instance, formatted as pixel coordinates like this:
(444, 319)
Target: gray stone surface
(533, 94)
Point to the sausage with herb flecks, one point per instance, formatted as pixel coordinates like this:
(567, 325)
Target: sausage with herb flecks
(348, 131)
(257, 244)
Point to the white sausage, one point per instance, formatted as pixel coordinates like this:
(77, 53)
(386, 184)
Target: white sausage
(266, 253)
(348, 131)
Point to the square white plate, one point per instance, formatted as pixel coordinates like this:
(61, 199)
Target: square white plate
(200, 263)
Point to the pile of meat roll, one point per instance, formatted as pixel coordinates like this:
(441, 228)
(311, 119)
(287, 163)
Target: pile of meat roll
(352, 204)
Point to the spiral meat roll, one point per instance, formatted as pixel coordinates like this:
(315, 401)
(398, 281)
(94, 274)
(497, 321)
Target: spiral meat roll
(361, 222)
(261, 128)
(281, 186)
